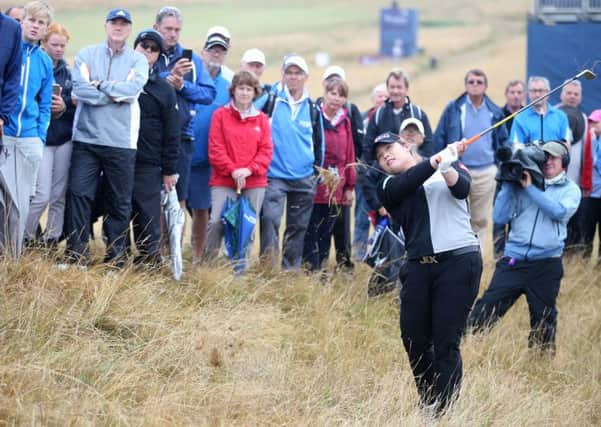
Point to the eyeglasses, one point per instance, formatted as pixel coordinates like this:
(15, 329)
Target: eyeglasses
(538, 90)
(475, 82)
(149, 45)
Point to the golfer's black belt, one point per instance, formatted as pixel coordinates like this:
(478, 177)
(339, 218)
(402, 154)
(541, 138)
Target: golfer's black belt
(442, 256)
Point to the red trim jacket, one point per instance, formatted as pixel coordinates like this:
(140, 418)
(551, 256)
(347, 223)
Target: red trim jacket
(236, 142)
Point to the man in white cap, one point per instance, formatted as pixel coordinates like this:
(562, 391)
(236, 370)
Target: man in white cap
(297, 134)
(214, 54)
(253, 60)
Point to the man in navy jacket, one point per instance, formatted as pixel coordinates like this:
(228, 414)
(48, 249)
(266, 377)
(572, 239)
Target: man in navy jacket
(465, 117)
(10, 67)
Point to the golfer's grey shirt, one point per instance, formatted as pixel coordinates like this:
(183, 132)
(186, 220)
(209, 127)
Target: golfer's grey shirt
(109, 114)
(434, 217)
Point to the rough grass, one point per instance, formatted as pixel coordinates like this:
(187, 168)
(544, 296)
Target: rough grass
(136, 348)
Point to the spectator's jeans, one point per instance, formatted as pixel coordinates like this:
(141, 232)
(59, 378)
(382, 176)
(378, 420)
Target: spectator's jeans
(298, 197)
(117, 166)
(219, 195)
(591, 222)
(51, 187)
(539, 281)
(319, 235)
(362, 224)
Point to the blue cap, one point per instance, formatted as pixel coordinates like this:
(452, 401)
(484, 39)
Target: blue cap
(119, 14)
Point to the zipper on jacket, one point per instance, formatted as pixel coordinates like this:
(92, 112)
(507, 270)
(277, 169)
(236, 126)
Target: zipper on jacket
(25, 84)
(532, 235)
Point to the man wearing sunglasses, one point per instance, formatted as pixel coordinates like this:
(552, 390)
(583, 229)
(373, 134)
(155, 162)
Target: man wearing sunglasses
(465, 117)
(158, 149)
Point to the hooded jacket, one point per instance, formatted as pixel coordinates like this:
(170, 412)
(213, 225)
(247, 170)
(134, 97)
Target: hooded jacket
(31, 116)
(158, 143)
(61, 127)
(10, 65)
(236, 142)
(538, 218)
(108, 115)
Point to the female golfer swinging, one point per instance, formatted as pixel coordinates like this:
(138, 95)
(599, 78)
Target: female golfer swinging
(427, 197)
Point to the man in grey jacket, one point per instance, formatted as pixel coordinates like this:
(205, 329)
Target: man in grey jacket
(107, 80)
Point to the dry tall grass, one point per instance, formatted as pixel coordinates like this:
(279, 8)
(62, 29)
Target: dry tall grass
(134, 348)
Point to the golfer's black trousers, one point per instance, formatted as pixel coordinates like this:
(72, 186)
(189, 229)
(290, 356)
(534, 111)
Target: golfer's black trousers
(436, 299)
(539, 281)
(146, 210)
(117, 167)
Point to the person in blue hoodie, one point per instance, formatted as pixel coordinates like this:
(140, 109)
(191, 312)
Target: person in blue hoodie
(531, 264)
(51, 186)
(297, 133)
(27, 127)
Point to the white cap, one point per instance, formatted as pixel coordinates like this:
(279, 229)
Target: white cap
(295, 60)
(218, 29)
(253, 55)
(413, 121)
(334, 70)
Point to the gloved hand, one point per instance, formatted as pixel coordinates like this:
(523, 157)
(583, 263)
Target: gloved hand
(447, 157)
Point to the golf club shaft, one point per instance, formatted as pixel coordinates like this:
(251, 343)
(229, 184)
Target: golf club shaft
(537, 100)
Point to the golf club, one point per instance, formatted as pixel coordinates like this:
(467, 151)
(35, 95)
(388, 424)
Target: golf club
(587, 74)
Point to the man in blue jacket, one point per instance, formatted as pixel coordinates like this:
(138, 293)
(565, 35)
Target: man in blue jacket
(297, 134)
(532, 262)
(192, 84)
(27, 126)
(465, 117)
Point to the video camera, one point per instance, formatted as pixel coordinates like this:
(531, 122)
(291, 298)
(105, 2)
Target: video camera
(530, 158)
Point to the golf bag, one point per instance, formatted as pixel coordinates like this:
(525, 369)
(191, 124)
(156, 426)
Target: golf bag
(386, 255)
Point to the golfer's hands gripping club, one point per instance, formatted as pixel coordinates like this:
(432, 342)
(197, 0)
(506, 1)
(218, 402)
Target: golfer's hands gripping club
(445, 158)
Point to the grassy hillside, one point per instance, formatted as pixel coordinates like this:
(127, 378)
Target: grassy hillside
(458, 33)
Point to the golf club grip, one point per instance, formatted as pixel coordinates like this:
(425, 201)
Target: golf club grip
(472, 139)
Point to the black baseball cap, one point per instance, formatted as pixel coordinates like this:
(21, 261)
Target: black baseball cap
(384, 139)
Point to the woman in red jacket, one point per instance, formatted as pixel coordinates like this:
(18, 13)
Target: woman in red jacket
(240, 150)
(338, 159)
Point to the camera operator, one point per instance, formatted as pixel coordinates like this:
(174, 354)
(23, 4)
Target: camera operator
(532, 262)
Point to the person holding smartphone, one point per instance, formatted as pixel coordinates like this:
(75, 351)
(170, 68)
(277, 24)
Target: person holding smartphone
(188, 75)
(51, 185)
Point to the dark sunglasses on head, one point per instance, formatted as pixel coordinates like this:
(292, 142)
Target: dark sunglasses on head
(149, 45)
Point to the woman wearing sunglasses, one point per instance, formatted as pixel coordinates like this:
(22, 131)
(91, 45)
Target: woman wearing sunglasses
(158, 148)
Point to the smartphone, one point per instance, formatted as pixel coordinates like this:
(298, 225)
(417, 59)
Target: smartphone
(187, 53)
(56, 89)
